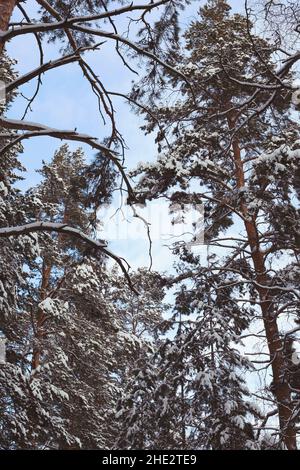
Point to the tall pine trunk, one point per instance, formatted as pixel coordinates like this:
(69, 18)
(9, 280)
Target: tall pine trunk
(275, 343)
(41, 317)
(6, 9)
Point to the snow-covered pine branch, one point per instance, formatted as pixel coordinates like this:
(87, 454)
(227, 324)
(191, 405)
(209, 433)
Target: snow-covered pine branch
(41, 226)
(40, 130)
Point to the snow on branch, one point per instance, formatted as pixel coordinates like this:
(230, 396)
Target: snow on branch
(52, 64)
(146, 7)
(41, 226)
(38, 130)
(76, 25)
(49, 227)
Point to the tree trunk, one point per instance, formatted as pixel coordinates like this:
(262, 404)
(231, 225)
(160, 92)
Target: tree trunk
(275, 343)
(6, 9)
(40, 318)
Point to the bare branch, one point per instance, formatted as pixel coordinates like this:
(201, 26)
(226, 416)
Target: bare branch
(72, 24)
(52, 64)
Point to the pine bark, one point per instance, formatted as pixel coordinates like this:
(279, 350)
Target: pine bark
(41, 317)
(275, 344)
(6, 9)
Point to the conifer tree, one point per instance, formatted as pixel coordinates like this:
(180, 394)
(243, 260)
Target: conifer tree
(79, 326)
(194, 388)
(72, 326)
(14, 254)
(231, 144)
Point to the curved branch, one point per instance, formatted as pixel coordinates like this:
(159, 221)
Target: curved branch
(41, 53)
(40, 226)
(109, 13)
(6, 35)
(72, 25)
(38, 130)
(52, 64)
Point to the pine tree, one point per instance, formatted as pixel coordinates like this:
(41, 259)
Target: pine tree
(194, 388)
(219, 411)
(140, 318)
(66, 365)
(45, 401)
(243, 162)
(14, 253)
(79, 327)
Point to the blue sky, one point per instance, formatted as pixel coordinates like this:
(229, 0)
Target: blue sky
(65, 101)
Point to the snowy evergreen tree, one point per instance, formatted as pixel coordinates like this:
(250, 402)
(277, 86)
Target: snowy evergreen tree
(10, 205)
(230, 143)
(71, 326)
(91, 364)
(14, 253)
(140, 318)
(194, 387)
(82, 326)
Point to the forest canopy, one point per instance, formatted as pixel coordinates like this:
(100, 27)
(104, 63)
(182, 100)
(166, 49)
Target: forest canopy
(118, 105)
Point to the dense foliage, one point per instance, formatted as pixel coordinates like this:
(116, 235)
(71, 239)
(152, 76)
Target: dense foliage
(97, 359)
